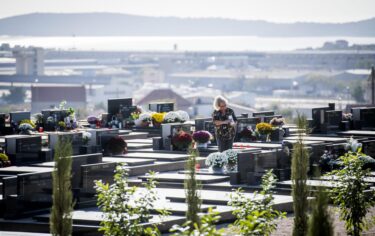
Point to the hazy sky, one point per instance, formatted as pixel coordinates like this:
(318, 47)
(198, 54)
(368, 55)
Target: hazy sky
(270, 10)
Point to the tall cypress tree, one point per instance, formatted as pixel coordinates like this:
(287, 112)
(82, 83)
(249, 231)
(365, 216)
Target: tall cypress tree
(300, 162)
(192, 186)
(62, 207)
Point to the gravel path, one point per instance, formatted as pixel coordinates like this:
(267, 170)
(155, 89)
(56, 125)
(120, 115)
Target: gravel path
(285, 226)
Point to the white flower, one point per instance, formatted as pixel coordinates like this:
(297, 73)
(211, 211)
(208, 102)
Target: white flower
(231, 156)
(216, 159)
(145, 117)
(183, 115)
(172, 117)
(86, 135)
(353, 145)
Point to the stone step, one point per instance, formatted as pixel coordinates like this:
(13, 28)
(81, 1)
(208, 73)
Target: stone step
(156, 156)
(148, 141)
(129, 161)
(135, 135)
(136, 146)
(170, 177)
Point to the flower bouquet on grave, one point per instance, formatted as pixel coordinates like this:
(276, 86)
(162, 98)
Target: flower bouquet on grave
(182, 140)
(143, 120)
(92, 120)
(157, 119)
(231, 156)
(4, 160)
(38, 120)
(264, 130)
(277, 122)
(184, 116)
(25, 128)
(61, 126)
(202, 138)
(172, 117)
(216, 161)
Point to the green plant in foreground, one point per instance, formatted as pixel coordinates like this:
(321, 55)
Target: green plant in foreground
(206, 226)
(349, 194)
(321, 221)
(62, 206)
(195, 225)
(255, 215)
(192, 186)
(125, 208)
(300, 163)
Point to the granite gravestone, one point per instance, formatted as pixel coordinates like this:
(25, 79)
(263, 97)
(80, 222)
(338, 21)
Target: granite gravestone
(161, 107)
(17, 117)
(116, 105)
(244, 125)
(363, 118)
(74, 137)
(318, 118)
(199, 123)
(23, 149)
(210, 127)
(332, 121)
(171, 129)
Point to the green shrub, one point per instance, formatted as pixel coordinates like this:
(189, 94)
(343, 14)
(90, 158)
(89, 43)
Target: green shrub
(62, 206)
(349, 194)
(255, 215)
(300, 163)
(125, 207)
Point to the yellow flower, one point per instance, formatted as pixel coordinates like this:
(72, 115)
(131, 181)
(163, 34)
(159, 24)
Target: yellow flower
(264, 128)
(158, 117)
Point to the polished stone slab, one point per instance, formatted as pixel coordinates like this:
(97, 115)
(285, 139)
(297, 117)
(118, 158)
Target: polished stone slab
(317, 138)
(357, 133)
(170, 177)
(129, 161)
(24, 169)
(156, 156)
(138, 145)
(149, 141)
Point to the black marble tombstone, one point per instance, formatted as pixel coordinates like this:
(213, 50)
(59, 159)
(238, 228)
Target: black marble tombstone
(23, 149)
(332, 121)
(210, 127)
(318, 115)
(99, 171)
(199, 123)
(243, 127)
(161, 107)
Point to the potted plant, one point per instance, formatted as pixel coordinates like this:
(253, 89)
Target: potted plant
(25, 128)
(116, 146)
(172, 117)
(184, 116)
(61, 126)
(182, 140)
(92, 120)
(264, 130)
(202, 138)
(86, 137)
(216, 161)
(4, 160)
(144, 120)
(157, 119)
(231, 156)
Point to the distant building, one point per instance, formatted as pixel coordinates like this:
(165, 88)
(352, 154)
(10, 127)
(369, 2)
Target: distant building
(46, 97)
(29, 61)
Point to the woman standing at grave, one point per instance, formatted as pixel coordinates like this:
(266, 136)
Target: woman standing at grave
(224, 120)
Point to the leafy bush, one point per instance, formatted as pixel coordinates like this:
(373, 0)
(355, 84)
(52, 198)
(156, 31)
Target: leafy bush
(349, 194)
(125, 208)
(255, 215)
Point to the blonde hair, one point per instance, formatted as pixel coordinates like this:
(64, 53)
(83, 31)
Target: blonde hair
(219, 99)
